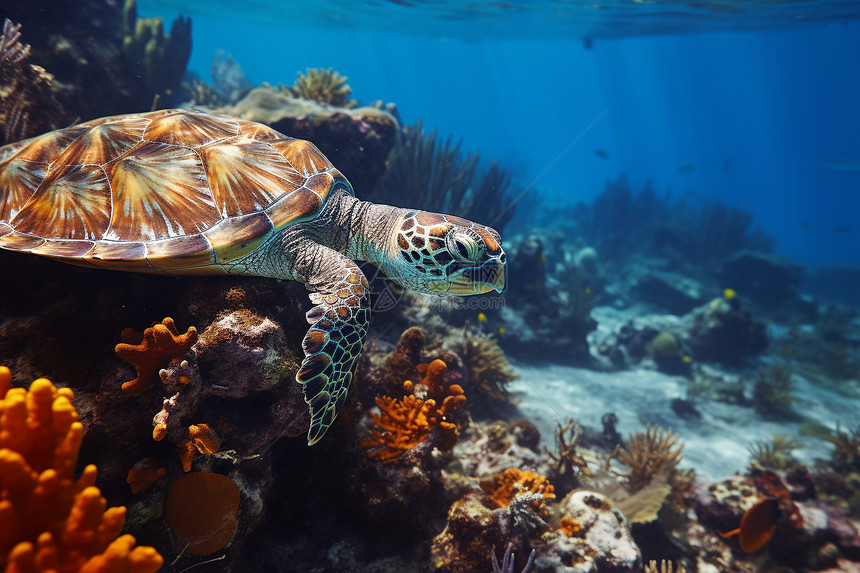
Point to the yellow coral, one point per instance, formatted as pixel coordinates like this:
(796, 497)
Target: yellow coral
(324, 86)
(48, 520)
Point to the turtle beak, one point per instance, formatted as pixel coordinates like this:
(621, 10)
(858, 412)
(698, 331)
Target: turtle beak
(490, 276)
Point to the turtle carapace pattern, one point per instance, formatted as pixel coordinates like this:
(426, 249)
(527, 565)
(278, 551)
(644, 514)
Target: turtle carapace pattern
(184, 192)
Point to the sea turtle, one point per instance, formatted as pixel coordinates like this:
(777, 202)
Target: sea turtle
(183, 192)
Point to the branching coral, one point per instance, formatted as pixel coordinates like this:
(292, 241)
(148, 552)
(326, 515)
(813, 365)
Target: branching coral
(404, 422)
(28, 102)
(50, 522)
(646, 455)
(663, 567)
(504, 487)
(847, 453)
(324, 86)
(158, 58)
(772, 392)
(487, 371)
(567, 465)
(153, 349)
(774, 454)
(434, 176)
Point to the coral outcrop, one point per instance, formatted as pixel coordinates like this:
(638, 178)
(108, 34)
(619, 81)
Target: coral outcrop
(596, 538)
(49, 521)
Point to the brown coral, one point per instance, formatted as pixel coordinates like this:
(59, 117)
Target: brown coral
(152, 350)
(48, 520)
(405, 422)
(202, 508)
(567, 466)
(324, 86)
(506, 485)
(646, 455)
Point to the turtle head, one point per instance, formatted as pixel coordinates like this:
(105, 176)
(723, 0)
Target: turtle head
(442, 254)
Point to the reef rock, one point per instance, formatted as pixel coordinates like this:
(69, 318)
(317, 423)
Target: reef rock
(358, 140)
(725, 333)
(601, 540)
(676, 293)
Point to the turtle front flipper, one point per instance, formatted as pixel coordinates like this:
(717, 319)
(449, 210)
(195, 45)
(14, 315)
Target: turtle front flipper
(339, 322)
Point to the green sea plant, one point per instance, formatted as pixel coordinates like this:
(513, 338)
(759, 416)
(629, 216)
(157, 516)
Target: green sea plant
(203, 94)
(774, 454)
(158, 58)
(435, 175)
(772, 396)
(324, 86)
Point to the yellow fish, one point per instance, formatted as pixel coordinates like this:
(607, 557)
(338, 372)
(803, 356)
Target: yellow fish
(482, 317)
(502, 330)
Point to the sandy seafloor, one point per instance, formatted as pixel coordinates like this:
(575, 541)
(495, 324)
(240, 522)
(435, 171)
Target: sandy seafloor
(716, 445)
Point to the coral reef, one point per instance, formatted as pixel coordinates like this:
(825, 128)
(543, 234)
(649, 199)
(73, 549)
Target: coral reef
(50, 521)
(158, 59)
(430, 174)
(774, 454)
(324, 86)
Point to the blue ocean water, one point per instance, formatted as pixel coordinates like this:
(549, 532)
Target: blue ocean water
(754, 106)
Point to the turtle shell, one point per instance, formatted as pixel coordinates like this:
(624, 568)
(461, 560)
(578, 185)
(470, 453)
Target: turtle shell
(169, 192)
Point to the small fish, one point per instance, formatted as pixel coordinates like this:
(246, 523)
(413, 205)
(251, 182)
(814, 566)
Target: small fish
(686, 359)
(805, 226)
(482, 317)
(851, 166)
(502, 330)
(601, 154)
(686, 168)
(757, 525)
(729, 293)
(727, 163)
(843, 229)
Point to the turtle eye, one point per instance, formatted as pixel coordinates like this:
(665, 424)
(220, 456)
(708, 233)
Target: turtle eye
(463, 247)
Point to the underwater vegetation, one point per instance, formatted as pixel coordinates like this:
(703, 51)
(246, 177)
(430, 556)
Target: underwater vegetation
(50, 521)
(702, 236)
(324, 86)
(28, 93)
(430, 173)
(772, 395)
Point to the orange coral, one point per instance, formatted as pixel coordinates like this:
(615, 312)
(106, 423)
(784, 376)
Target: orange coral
(144, 474)
(406, 422)
(201, 508)
(153, 349)
(201, 438)
(569, 526)
(506, 485)
(48, 520)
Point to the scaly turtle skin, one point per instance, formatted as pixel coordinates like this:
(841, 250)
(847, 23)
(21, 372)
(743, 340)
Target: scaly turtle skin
(184, 192)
